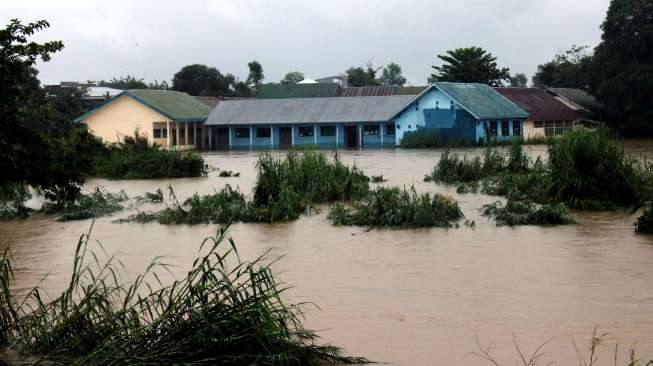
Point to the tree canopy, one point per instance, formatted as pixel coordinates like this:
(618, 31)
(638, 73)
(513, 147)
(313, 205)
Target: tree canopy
(622, 66)
(519, 80)
(470, 65)
(203, 80)
(568, 69)
(362, 76)
(391, 75)
(292, 77)
(125, 83)
(255, 76)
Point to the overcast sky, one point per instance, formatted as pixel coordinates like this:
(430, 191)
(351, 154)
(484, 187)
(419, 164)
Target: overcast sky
(154, 39)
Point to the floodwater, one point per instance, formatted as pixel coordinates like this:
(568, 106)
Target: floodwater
(407, 297)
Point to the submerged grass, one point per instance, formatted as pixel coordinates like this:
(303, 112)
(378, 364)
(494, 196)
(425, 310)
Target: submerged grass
(395, 207)
(98, 203)
(223, 312)
(514, 213)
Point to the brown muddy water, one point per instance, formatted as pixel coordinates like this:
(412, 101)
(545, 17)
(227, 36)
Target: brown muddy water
(408, 297)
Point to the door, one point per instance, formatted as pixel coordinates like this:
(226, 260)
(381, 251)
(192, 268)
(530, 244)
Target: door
(351, 137)
(222, 138)
(285, 137)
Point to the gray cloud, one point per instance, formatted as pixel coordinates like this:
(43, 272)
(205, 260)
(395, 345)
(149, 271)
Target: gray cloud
(154, 39)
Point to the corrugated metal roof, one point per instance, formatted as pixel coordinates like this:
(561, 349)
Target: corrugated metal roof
(278, 91)
(578, 96)
(175, 105)
(366, 91)
(307, 110)
(410, 90)
(538, 103)
(481, 100)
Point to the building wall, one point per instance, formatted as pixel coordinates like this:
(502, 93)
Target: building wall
(413, 116)
(121, 118)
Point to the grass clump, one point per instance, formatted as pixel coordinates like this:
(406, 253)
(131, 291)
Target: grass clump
(515, 213)
(394, 207)
(98, 203)
(451, 169)
(135, 158)
(378, 179)
(228, 174)
(223, 311)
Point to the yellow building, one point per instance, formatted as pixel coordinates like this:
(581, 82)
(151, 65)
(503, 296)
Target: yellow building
(169, 119)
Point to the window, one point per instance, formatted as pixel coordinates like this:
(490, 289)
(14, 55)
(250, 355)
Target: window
(538, 124)
(263, 132)
(493, 129)
(398, 127)
(174, 136)
(242, 133)
(505, 128)
(516, 128)
(328, 130)
(305, 131)
(191, 136)
(164, 133)
(390, 129)
(182, 136)
(372, 130)
(156, 133)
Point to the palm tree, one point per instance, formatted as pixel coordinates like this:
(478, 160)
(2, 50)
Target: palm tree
(470, 65)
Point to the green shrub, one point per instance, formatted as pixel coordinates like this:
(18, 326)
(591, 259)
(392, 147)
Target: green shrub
(471, 187)
(644, 224)
(98, 203)
(394, 207)
(12, 201)
(134, 158)
(377, 179)
(515, 213)
(451, 169)
(224, 311)
(431, 138)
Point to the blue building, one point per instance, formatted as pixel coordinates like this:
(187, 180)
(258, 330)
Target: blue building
(462, 112)
(469, 112)
(328, 122)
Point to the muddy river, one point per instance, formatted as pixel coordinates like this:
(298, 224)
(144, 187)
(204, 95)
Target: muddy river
(408, 297)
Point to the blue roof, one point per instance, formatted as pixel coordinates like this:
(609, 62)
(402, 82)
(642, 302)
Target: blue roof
(480, 100)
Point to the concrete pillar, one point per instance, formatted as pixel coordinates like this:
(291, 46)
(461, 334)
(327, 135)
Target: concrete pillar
(210, 137)
(168, 133)
(337, 138)
(229, 135)
(271, 137)
(315, 134)
(177, 125)
(381, 132)
(251, 137)
(186, 134)
(292, 135)
(360, 135)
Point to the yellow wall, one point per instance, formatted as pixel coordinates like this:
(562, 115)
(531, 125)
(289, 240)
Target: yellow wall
(531, 132)
(122, 117)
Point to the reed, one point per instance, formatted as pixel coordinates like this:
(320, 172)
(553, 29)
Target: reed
(224, 311)
(395, 207)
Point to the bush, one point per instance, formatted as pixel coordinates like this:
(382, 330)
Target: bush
(644, 224)
(430, 138)
(134, 158)
(394, 207)
(99, 203)
(515, 213)
(223, 312)
(378, 179)
(12, 201)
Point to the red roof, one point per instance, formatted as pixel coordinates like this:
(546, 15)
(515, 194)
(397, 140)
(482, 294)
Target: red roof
(539, 104)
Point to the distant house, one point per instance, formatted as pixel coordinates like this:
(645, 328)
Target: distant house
(548, 116)
(99, 94)
(337, 79)
(330, 122)
(460, 112)
(168, 118)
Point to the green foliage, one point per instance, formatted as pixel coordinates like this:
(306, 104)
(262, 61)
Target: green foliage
(569, 69)
(224, 311)
(469, 187)
(135, 158)
(362, 76)
(644, 224)
(292, 77)
(255, 76)
(622, 66)
(12, 201)
(429, 138)
(99, 203)
(203, 80)
(228, 173)
(452, 169)
(470, 65)
(391, 75)
(515, 213)
(126, 83)
(519, 81)
(394, 207)
(377, 179)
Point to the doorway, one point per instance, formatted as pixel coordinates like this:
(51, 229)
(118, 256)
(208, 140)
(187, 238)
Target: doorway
(351, 137)
(285, 137)
(222, 138)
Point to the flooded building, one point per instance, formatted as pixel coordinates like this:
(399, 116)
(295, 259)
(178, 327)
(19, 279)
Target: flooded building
(460, 112)
(168, 118)
(548, 116)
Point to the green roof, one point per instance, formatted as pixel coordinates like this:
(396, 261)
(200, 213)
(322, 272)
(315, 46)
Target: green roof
(481, 100)
(177, 106)
(279, 91)
(410, 90)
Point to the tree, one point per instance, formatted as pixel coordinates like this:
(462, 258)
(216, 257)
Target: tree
(126, 83)
(292, 77)
(163, 85)
(568, 69)
(255, 76)
(622, 66)
(392, 75)
(202, 80)
(519, 81)
(359, 76)
(27, 156)
(470, 65)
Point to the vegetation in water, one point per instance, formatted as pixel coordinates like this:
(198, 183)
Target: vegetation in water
(514, 213)
(228, 174)
(12, 201)
(378, 179)
(452, 169)
(432, 138)
(395, 207)
(223, 311)
(135, 158)
(644, 223)
(98, 203)
(154, 197)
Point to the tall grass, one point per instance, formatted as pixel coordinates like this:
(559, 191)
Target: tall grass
(223, 312)
(98, 203)
(394, 207)
(135, 158)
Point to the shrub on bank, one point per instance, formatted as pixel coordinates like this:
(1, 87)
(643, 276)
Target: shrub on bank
(394, 207)
(135, 158)
(224, 311)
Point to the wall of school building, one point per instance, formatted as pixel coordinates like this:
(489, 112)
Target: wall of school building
(260, 136)
(435, 113)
